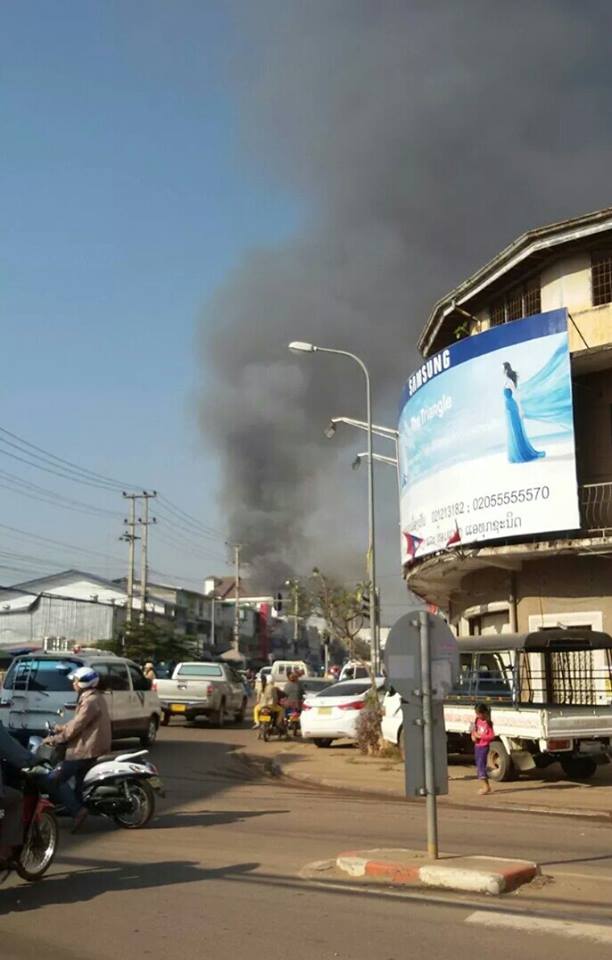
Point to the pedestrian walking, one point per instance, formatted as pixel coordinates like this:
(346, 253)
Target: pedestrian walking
(482, 734)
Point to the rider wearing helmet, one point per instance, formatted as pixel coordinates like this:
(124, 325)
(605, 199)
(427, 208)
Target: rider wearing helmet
(87, 736)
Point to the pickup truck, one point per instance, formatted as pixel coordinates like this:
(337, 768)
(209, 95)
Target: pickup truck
(212, 690)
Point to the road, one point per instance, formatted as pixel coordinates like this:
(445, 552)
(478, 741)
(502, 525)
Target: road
(217, 874)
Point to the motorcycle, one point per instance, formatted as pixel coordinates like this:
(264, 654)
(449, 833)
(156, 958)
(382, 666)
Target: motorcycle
(121, 787)
(270, 724)
(33, 858)
(292, 721)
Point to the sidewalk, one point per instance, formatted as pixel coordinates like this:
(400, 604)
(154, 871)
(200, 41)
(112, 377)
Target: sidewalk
(342, 767)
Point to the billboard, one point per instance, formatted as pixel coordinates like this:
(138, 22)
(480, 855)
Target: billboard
(486, 439)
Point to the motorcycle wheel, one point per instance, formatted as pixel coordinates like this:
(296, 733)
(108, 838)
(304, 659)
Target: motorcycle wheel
(142, 799)
(266, 732)
(39, 848)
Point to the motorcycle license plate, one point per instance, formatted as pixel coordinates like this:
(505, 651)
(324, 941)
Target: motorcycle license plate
(265, 719)
(324, 710)
(178, 707)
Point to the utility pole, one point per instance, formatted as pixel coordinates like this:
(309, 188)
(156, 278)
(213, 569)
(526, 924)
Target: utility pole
(295, 594)
(237, 547)
(130, 537)
(144, 523)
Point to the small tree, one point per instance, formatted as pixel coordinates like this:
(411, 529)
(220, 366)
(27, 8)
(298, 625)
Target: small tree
(342, 609)
(150, 641)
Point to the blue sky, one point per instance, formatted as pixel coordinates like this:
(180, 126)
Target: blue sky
(126, 200)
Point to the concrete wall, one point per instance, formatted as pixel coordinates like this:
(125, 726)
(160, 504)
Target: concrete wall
(567, 283)
(593, 423)
(570, 590)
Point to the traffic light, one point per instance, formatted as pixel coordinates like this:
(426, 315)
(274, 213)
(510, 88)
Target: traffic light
(279, 602)
(364, 603)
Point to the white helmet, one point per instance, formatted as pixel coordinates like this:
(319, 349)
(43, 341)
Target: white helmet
(86, 677)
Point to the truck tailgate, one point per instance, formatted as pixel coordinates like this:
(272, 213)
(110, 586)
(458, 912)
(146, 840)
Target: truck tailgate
(574, 722)
(183, 690)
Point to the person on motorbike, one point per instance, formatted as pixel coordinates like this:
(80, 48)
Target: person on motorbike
(294, 694)
(268, 699)
(12, 754)
(87, 736)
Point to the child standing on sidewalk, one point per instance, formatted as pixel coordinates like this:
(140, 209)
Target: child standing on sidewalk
(482, 734)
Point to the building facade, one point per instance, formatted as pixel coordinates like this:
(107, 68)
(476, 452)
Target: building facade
(69, 607)
(546, 580)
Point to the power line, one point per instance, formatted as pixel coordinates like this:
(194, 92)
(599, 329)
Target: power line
(60, 460)
(177, 511)
(61, 543)
(35, 456)
(34, 491)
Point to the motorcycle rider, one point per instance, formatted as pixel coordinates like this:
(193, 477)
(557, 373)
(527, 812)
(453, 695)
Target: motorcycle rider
(268, 699)
(11, 800)
(87, 736)
(294, 693)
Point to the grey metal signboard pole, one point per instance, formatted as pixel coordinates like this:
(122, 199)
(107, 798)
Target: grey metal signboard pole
(422, 659)
(428, 737)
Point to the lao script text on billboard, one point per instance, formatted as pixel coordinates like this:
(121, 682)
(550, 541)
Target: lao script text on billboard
(486, 442)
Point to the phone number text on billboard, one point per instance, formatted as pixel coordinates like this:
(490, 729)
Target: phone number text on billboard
(505, 498)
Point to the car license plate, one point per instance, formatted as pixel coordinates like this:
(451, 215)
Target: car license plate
(324, 710)
(178, 707)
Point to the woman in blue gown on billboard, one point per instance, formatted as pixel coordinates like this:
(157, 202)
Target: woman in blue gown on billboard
(519, 447)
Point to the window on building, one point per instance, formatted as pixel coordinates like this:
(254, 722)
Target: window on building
(522, 301)
(601, 278)
(532, 302)
(498, 313)
(514, 305)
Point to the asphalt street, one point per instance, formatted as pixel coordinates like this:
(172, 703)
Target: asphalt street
(218, 875)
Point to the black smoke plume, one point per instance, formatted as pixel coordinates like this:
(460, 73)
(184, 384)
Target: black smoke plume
(419, 139)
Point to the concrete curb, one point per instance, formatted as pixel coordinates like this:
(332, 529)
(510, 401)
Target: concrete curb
(280, 770)
(486, 875)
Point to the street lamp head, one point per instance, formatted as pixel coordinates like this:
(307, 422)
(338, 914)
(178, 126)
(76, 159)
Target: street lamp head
(330, 430)
(298, 346)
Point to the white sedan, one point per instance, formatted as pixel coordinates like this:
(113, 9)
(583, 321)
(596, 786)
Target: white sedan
(332, 714)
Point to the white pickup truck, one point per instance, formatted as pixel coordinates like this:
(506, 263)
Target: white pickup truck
(212, 690)
(550, 697)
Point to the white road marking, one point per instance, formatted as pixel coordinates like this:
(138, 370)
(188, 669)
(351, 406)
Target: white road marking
(597, 933)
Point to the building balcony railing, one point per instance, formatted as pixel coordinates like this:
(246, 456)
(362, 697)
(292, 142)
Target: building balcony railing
(596, 506)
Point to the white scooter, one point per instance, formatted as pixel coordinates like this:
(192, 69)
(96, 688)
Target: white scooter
(119, 787)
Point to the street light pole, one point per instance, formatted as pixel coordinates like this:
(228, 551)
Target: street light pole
(300, 347)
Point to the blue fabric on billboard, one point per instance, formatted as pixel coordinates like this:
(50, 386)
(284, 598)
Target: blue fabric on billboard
(546, 396)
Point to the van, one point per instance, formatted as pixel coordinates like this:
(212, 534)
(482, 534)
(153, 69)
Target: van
(354, 671)
(36, 691)
(281, 669)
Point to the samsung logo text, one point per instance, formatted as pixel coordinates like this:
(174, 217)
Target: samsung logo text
(430, 369)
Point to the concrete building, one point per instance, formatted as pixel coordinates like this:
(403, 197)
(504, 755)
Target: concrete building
(71, 607)
(265, 633)
(531, 582)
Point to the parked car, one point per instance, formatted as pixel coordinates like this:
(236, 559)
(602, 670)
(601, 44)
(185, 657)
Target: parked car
(332, 714)
(37, 691)
(197, 689)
